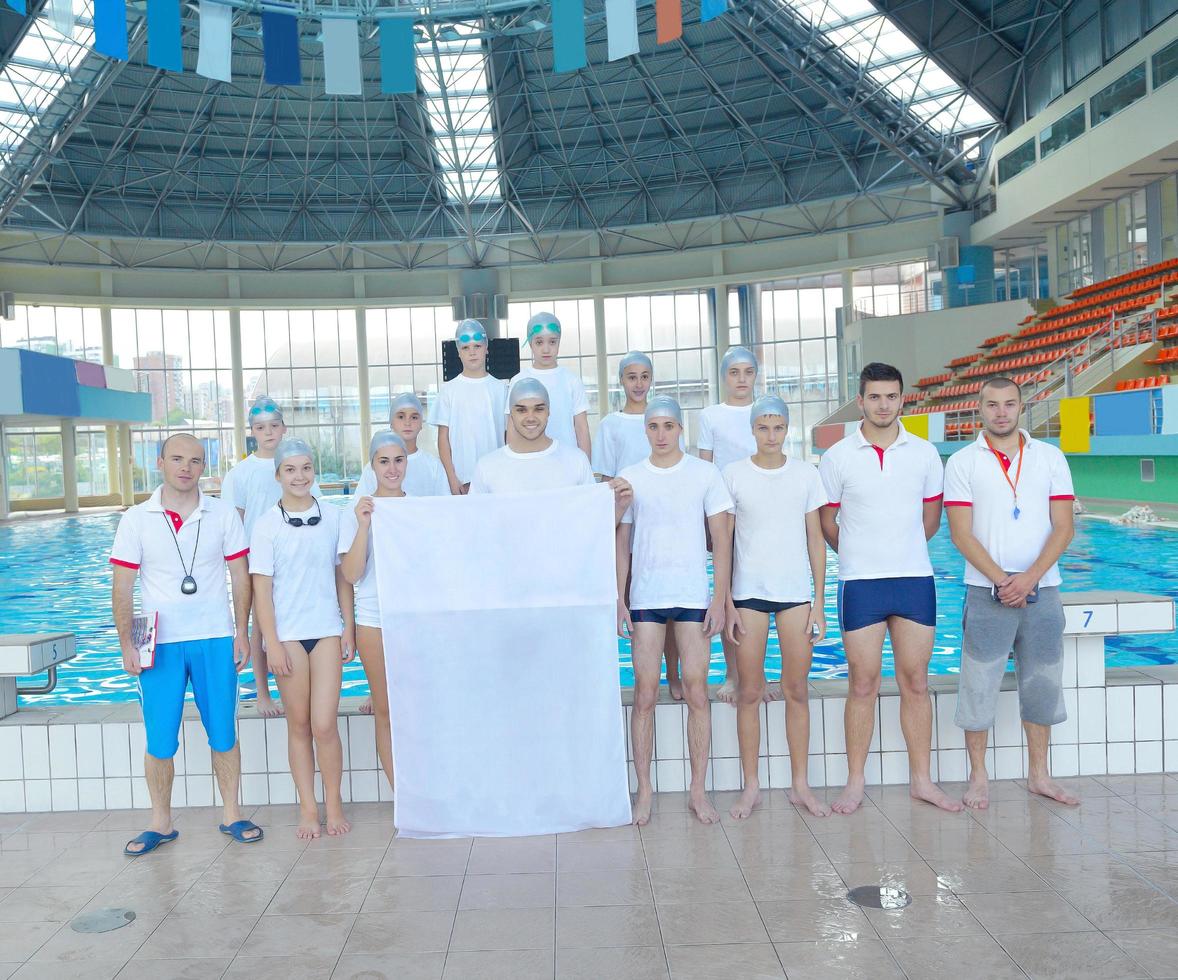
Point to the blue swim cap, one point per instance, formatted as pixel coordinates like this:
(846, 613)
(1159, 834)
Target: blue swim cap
(469, 332)
(663, 407)
(290, 449)
(635, 357)
(543, 323)
(382, 439)
(768, 405)
(527, 388)
(264, 409)
(406, 400)
(737, 355)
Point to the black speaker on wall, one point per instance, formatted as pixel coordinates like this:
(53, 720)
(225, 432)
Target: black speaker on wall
(502, 359)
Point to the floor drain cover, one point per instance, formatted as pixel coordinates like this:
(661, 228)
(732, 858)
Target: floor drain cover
(103, 920)
(880, 897)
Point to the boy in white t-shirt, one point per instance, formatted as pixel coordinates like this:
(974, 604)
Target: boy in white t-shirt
(388, 458)
(469, 411)
(251, 488)
(725, 437)
(424, 474)
(674, 494)
(777, 524)
(568, 420)
(304, 607)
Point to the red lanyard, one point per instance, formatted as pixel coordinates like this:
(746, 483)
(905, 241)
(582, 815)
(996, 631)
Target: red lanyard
(1006, 469)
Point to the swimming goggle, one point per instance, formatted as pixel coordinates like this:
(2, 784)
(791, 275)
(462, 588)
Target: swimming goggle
(268, 409)
(537, 328)
(298, 521)
(472, 338)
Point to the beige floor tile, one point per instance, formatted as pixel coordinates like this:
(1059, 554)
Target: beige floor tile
(440, 859)
(926, 917)
(758, 851)
(355, 862)
(206, 968)
(608, 925)
(508, 891)
(1085, 956)
(872, 845)
(143, 893)
(73, 821)
(604, 856)
(577, 888)
(414, 894)
(914, 877)
(257, 862)
(594, 835)
(510, 964)
(945, 956)
(712, 851)
(295, 935)
(513, 857)
(1025, 912)
(1131, 906)
(282, 967)
(782, 882)
(194, 936)
(16, 867)
(692, 886)
(980, 878)
(319, 896)
(400, 932)
(226, 898)
(855, 959)
(68, 946)
(79, 970)
(711, 923)
(749, 962)
(374, 834)
(1154, 949)
(500, 929)
(624, 963)
(390, 966)
(779, 823)
(811, 921)
(50, 903)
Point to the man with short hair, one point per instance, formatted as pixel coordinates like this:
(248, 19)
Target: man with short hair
(1009, 499)
(884, 484)
(178, 543)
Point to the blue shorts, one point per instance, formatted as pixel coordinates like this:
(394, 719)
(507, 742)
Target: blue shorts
(867, 601)
(209, 665)
(676, 614)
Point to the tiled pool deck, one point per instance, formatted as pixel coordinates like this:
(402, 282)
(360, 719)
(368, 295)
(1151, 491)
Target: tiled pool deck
(1026, 889)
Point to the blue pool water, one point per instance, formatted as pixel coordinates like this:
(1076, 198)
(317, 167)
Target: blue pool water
(54, 577)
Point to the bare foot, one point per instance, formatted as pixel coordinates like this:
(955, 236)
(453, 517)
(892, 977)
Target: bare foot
(702, 807)
(308, 828)
(337, 823)
(744, 806)
(727, 692)
(1049, 788)
(977, 794)
(676, 686)
(804, 796)
(850, 799)
(773, 692)
(930, 792)
(641, 808)
(366, 706)
(268, 707)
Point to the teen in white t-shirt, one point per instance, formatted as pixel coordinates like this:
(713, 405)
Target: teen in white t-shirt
(621, 437)
(300, 595)
(388, 458)
(661, 544)
(779, 563)
(424, 475)
(568, 419)
(469, 411)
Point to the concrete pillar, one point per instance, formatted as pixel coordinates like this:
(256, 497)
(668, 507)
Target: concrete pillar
(112, 439)
(3, 473)
(603, 371)
(720, 328)
(69, 464)
(126, 467)
(365, 390)
(238, 375)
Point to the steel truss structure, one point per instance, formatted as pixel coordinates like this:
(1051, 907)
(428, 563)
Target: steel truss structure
(777, 104)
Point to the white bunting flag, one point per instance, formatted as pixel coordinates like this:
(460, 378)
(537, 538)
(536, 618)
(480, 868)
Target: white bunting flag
(621, 24)
(61, 16)
(341, 56)
(216, 41)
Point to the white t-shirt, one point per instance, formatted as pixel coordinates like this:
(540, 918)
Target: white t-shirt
(251, 486)
(424, 477)
(771, 560)
(506, 471)
(367, 599)
(566, 399)
(974, 478)
(472, 409)
(669, 548)
(881, 496)
(620, 442)
(146, 540)
(302, 561)
(727, 431)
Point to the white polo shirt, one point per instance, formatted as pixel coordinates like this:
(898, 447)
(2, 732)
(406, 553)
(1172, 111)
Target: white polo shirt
(669, 565)
(472, 410)
(567, 399)
(424, 477)
(974, 478)
(506, 471)
(146, 540)
(771, 560)
(727, 432)
(881, 496)
(250, 486)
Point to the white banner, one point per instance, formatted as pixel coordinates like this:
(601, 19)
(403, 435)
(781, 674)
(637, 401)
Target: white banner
(621, 25)
(502, 662)
(215, 37)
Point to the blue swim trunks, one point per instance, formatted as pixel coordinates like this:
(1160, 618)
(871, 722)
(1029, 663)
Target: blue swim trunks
(208, 664)
(867, 601)
(677, 614)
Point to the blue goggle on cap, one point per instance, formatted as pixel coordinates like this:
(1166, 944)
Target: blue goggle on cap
(543, 323)
(470, 332)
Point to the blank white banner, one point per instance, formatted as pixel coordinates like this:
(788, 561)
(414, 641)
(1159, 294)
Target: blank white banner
(214, 53)
(498, 619)
(341, 56)
(621, 26)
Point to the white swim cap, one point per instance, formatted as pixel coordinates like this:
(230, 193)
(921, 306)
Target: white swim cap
(406, 400)
(543, 323)
(527, 388)
(469, 332)
(382, 439)
(768, 405)
(635, 357)
(663, 407)
(264, 409)
(291, 448)
(737, 355)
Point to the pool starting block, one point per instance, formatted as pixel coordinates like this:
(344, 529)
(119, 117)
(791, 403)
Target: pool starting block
(22, 654)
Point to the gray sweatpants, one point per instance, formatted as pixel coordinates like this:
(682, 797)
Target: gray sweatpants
(990, 632)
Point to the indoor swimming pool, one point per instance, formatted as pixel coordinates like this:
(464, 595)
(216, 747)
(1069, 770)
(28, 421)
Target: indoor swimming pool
(54, 577)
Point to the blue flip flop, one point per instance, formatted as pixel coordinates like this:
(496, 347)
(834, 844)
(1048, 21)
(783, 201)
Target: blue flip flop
(237, 831)
(150, 841)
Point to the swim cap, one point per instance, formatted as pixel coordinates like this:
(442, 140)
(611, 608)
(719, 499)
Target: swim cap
(406, 400)
(737, 355)
(663, 407)
(382, 439)
(635, 357)
(527, 388)
(768, 405)
(469, 332)
(289, 449)
(541, 323)
(264, 410)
